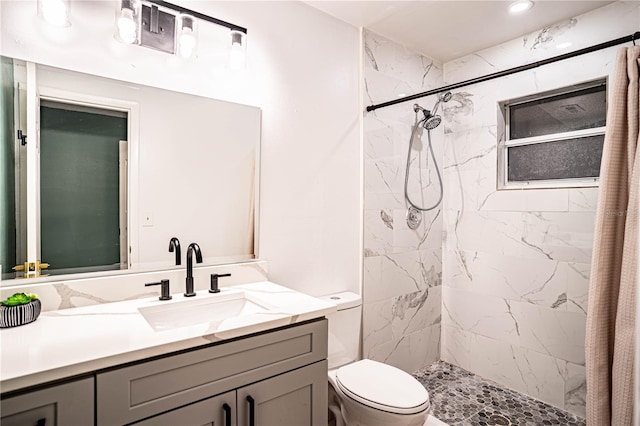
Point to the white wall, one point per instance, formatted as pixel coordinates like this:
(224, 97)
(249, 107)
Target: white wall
(302, 71)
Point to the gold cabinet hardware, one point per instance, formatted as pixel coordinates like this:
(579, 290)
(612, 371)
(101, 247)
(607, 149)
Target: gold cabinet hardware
(31, 269)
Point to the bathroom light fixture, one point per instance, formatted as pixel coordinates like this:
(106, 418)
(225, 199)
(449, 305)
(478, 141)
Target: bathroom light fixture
(520, 6)
(55, 12)
(169, 28)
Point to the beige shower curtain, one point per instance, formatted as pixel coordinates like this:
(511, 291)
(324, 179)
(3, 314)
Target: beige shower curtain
(612, 291)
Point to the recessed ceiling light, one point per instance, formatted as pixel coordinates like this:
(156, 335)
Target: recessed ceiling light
(520, 6)
(55, 12)
(401, 95)
(563, 45)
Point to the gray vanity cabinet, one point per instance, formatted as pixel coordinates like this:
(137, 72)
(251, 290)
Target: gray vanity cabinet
(68, 404)
(284, 371)
(274, 378)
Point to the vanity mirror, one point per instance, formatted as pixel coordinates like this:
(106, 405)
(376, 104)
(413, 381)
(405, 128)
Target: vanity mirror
(110, 171)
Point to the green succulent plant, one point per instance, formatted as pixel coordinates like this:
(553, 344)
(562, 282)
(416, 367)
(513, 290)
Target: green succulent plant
(19, 299)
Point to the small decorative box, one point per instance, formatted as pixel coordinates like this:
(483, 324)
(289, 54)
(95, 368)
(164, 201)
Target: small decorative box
(13, 316)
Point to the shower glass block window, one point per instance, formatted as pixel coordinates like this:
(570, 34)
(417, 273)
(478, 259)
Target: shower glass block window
(553, 139)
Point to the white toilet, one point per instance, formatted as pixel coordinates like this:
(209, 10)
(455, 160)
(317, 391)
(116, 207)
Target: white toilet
(366, 392)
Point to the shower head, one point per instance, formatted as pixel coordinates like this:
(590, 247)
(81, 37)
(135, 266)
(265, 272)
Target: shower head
(432, 122)
(429, 121)
(442, 97)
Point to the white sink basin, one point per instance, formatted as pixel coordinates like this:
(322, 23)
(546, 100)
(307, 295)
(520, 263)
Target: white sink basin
(201, 309)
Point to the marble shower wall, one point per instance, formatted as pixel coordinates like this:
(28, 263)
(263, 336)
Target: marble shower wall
(516, 262)
(402, 267)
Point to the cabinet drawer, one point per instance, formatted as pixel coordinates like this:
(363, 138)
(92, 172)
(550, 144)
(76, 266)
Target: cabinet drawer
(70, 404)
(139, 391)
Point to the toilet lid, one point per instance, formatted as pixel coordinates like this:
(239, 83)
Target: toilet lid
(383, 387)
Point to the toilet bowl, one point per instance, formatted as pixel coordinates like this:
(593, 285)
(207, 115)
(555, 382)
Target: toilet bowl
(366, 392)
(371, 393)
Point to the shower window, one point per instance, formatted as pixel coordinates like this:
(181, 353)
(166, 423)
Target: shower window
(553, 139)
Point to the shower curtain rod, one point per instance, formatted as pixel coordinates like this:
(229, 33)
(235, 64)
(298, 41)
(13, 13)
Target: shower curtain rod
(629, 38)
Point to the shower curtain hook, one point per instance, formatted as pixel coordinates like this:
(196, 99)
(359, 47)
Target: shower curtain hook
(635, 36)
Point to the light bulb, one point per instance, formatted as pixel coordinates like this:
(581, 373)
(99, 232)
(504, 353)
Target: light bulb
(187, 37)
(54, 12)
(236, 57)
(127, 26)
(237, 52)
(520, 6)
(187, 43)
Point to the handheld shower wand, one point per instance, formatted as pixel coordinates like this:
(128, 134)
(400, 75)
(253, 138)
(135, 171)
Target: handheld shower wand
(442, 97)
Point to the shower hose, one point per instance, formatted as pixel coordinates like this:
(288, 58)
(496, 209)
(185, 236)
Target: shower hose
(406, 175)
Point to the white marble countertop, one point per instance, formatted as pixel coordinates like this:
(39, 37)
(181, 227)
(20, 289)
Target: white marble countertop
(77, 341)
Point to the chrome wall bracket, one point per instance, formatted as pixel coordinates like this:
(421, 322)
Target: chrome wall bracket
(157, 30)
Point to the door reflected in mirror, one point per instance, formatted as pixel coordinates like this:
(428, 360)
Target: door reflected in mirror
(83, 204)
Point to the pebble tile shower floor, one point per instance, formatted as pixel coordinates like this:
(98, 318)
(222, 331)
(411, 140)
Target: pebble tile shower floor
(462, 398)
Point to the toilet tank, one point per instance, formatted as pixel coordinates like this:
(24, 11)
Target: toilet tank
(344, 328)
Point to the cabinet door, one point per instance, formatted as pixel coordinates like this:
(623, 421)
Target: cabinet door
(296, 398)
(217, 411)
(70, 404)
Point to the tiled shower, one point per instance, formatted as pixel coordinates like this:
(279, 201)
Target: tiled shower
(494, 281)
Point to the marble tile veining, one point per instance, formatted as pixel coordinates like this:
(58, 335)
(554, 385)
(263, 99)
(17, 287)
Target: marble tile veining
(402, 266)
(460, 398)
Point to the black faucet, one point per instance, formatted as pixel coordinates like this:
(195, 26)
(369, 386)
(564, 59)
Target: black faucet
(192, 247)
(174, 245)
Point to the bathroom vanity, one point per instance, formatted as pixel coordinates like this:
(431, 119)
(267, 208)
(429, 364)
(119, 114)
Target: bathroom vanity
(252, 368)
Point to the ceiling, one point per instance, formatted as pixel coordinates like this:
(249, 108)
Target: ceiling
(446, 30)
